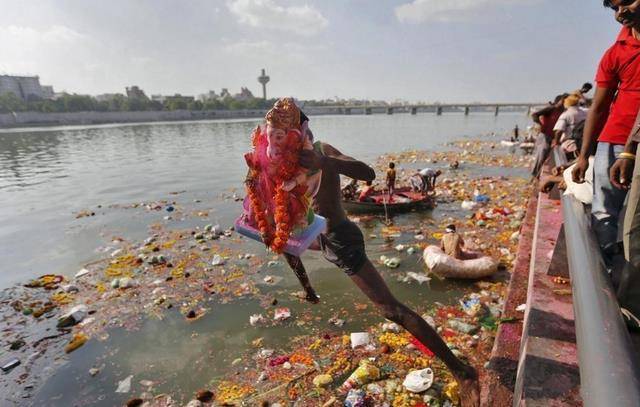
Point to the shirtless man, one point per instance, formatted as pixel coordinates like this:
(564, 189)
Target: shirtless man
(452, 243)
(343, 245)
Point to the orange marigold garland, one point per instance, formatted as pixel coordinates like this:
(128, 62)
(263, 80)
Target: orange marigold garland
(287, 213)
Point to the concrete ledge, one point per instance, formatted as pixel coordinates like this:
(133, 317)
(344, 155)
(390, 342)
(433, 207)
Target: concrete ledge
(499, 382)
(551, 376)
(547, 373)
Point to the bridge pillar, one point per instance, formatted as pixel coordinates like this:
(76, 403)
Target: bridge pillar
(497, 110)
(414, 110)
(389, 110)
(439, 110)
(466, 110)
(528, 111)
(367, 110)
(347, 111)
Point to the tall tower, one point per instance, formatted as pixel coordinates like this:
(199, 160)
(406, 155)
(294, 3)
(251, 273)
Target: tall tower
(264, 79)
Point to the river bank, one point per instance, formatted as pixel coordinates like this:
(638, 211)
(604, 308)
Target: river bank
(16, 120)
(173, 307)
(33, 119)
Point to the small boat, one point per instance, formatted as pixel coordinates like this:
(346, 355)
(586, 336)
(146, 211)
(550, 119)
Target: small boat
(475, 267)
(403, 200)
(527, 146)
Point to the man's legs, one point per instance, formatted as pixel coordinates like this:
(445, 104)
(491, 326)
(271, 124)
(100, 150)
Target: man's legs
(416, 185)
(631, 236)
(298, 269)
(607, 201)
(425, 183)
(542, 148)
(629, 289)
(373, 286)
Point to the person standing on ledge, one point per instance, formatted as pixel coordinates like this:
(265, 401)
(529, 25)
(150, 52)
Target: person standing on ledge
(610, 120)
(343, 245)
(546, 118)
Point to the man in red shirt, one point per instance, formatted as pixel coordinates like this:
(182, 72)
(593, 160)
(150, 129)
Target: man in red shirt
(610, 120)
(546, 118)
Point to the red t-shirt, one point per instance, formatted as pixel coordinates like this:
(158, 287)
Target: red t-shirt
(620, 69)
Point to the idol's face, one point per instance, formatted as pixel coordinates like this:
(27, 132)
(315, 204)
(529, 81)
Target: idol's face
(277, 140)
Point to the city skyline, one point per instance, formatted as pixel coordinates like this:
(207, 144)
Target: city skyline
(421, 50)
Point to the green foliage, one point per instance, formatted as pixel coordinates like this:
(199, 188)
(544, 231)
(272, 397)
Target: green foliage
(175, 104)
(120, 103)
(9, 102)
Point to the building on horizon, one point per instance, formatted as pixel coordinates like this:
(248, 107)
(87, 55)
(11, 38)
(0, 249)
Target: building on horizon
(211, 95)
(244, 95)
(224, 93)
(158, 98)
(178, 96)
(135, 92)
(263, 79)
(25, 87)
(48, 92)
(107, 97)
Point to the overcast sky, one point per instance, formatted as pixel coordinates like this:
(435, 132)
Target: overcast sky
(417, 50)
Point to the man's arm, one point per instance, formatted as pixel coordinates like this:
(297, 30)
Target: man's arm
(341, 163)
(596, 119)
(559, 129)
(434, 178)
(557, 136)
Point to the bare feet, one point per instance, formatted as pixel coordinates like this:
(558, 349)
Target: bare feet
(312, 298)
(469, 389)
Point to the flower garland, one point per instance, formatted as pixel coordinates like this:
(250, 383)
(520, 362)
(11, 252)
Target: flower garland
(286, 169)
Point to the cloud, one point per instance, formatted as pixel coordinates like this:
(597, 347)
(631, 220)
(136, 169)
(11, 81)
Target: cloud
(29, 35)
(419, 11)
(267, 14)
(286, 52)
(25, 49)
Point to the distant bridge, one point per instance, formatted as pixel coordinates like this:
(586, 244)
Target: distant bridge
(437, 108)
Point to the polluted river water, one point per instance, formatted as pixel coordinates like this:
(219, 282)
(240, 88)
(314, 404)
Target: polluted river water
(74, 196)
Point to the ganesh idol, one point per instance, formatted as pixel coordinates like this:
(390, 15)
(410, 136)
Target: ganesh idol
(279, 190)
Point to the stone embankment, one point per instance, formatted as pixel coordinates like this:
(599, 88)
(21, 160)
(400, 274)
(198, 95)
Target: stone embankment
(534, 360)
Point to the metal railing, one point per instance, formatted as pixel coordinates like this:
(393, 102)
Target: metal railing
(608, 361)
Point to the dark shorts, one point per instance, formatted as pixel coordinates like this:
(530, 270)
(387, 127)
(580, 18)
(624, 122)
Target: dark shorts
(343, 246)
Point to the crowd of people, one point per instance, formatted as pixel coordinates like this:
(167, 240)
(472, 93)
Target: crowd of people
(600, 139)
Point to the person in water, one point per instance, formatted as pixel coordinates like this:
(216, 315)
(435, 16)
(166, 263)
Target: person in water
(452, 243)
(350, 190)
(343, 245)
(367, 191)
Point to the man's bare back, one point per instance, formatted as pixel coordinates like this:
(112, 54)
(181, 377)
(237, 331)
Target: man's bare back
(327, 202)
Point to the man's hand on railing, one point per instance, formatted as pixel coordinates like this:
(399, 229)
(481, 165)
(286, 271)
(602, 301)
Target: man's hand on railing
(621, 173)
(579, 170)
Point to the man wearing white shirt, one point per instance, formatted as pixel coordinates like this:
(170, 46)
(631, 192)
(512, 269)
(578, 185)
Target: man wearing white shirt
(428, 177)
(563, 131)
